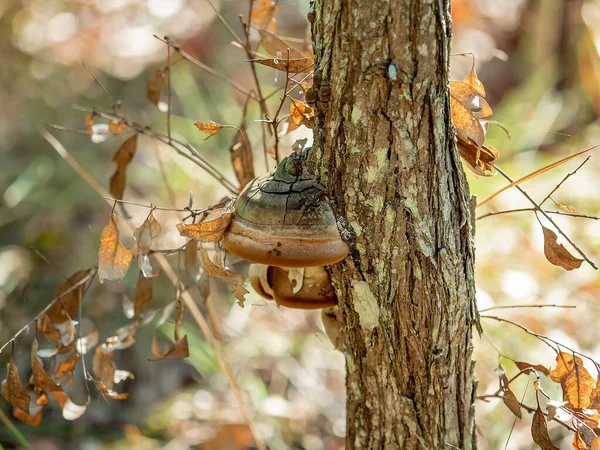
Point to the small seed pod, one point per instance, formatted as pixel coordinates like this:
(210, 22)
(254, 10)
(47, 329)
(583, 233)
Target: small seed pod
(282, 219)
(315, 291)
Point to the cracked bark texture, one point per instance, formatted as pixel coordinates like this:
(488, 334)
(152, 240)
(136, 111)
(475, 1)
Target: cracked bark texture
(384, 148)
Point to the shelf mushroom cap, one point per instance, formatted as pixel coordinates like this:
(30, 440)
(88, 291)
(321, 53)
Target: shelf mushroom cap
(282, 219)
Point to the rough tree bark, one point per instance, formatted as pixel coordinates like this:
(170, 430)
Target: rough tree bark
(384, 147)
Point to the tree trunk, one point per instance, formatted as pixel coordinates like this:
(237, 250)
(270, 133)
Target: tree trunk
(384, 148)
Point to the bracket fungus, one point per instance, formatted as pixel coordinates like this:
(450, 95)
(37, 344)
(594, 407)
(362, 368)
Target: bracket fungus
(275, 283)
(283, 219)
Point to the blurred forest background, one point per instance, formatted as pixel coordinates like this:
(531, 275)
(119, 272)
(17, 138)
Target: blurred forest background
(540, 63)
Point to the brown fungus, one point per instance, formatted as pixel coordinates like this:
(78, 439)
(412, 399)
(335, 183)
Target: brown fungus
(283, 219)
(315, 291)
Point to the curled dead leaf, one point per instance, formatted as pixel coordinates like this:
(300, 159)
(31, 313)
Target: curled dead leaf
(557, 254)
(277, 47)
(474, 81)
(143, 292)
(300, 114)
(263, 15)
(39, 378)
(510, 400)
(241, 157)
(526, 367)
(123, 156)
(113, 257)
(211, 229)
(539, 431)
(211, 128)
(299, 65)
(13, 390)
(155, 84)
(179, 350)
(33, 421)
(145, 234)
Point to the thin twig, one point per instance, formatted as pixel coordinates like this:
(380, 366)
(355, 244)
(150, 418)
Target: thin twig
(225, 24)
(169, 92)
(547, 216)
(116, 104)
(527, 306)
(564, 179)
(560, 213)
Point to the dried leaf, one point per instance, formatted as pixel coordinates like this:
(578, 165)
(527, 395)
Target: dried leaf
(56, 324)
(13, 390)
(525, 367)
(211, 229)
(89, 122)
(577, 387)
(113, 257)
(192, 264)
(241, 157)
(155, 84)
(539, 431)
(34, 420)
(122, 157)
(39, 377)
(110, 393)
(180, 350)
(467, 95)
(301, 114)
(595, 444)
(557, 254)
(565, 363)
(480, 160)
(277, 47)
(300, 65)
(509, 399)
(217, 271)
(104, 367)
(578, 442)
(143, 292)
(553, 407)
(211, 128)
(145, 234)
(239, 291)
(468, 128)
(568, 209)
(472, 79)
(116, 127)
(263, 14)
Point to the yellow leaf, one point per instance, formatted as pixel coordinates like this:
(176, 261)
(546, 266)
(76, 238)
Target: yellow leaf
(211, 128)
(113, 257)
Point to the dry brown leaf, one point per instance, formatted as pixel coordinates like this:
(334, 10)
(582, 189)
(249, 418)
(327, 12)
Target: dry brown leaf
(116, 127)
(277, 47)
(480, 160)
(110, 393)
(468, 128)
(509, 399)
(565, 363)
(526, 367)
(145, 234)
(577, 387)
(474, 81)
(263, 15)
(122, 157)
(568, 209)
(595, 444)
(143, 292)
(88, 342)
(211, 128)
(301, 114)
(235, 279)
(241, 157)
(113, 258)
(34, 420)
(467, 95)
(104, 367)
(155, 84)
(557, 254)
(180, 350)
(211, 229)
(56, 324)
(39, 378)
(89, 122)
(300, 65)
(533, 175)
(13, 390)
(539, 431)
